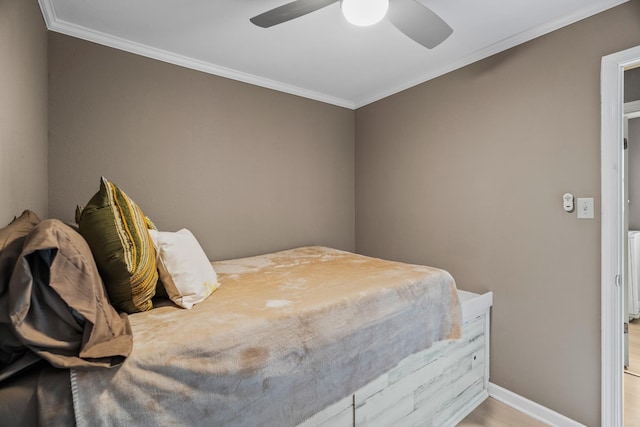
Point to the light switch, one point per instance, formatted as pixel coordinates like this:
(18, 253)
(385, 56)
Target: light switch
(585, 207)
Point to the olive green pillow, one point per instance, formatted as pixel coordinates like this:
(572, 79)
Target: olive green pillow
(117, 233)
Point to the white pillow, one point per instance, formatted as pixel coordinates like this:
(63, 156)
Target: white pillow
(185, 270)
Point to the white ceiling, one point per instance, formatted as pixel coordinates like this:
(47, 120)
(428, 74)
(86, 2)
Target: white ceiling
(318, 56)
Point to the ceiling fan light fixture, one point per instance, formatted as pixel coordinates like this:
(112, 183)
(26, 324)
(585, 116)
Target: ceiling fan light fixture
(364, 13)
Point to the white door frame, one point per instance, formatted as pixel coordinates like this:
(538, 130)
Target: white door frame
(612, 314)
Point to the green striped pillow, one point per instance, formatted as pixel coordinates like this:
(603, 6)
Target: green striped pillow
(117, 233)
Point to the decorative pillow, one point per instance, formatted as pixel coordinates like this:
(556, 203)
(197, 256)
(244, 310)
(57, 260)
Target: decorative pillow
(19, 227)
(117, 233)
(58, 305)
(11, 241)
(185, 270)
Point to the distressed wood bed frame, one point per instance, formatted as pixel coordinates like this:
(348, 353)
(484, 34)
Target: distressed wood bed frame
(436, 387)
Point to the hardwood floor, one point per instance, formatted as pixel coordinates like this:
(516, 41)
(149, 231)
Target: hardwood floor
(632, 378)
(492, 413)
(496, 414)
(631, 400)
(634, 346)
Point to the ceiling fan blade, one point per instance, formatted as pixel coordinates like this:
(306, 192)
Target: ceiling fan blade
(289, 11)
(418, 22)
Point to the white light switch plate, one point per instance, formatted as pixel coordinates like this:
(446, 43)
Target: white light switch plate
(585, 208)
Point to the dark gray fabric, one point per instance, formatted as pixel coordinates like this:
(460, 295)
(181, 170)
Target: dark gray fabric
(52, 306)
(37, 396)
(19, 400)
(14, 356)
(57, 304)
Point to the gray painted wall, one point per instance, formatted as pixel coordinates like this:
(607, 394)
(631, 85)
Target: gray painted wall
(23, 109)
(248, 170)
(632, 85)
(466, 172)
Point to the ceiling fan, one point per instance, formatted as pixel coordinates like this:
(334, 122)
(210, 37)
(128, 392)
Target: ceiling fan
(415, 20)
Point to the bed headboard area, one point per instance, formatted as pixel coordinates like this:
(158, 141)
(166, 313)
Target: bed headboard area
(248, 170)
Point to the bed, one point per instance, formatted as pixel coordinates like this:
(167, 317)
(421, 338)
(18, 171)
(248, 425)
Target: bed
(310, 336)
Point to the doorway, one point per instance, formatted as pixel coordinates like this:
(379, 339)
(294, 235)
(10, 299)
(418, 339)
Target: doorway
(613, 234)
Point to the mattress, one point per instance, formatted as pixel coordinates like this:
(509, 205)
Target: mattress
(286, 335)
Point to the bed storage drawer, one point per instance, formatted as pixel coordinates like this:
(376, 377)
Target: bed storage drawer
(435, 387)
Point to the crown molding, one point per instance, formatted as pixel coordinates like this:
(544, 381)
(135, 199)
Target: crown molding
(60, 26)
(55, 24)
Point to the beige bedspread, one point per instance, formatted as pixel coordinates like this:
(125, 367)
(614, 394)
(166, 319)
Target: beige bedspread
(285, 335)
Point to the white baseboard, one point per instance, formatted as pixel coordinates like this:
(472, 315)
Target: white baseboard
(531, 408)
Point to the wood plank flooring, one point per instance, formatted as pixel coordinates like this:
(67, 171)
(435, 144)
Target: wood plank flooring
(492, 413)
(634, 346)
(496, 414)
(631, 381)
